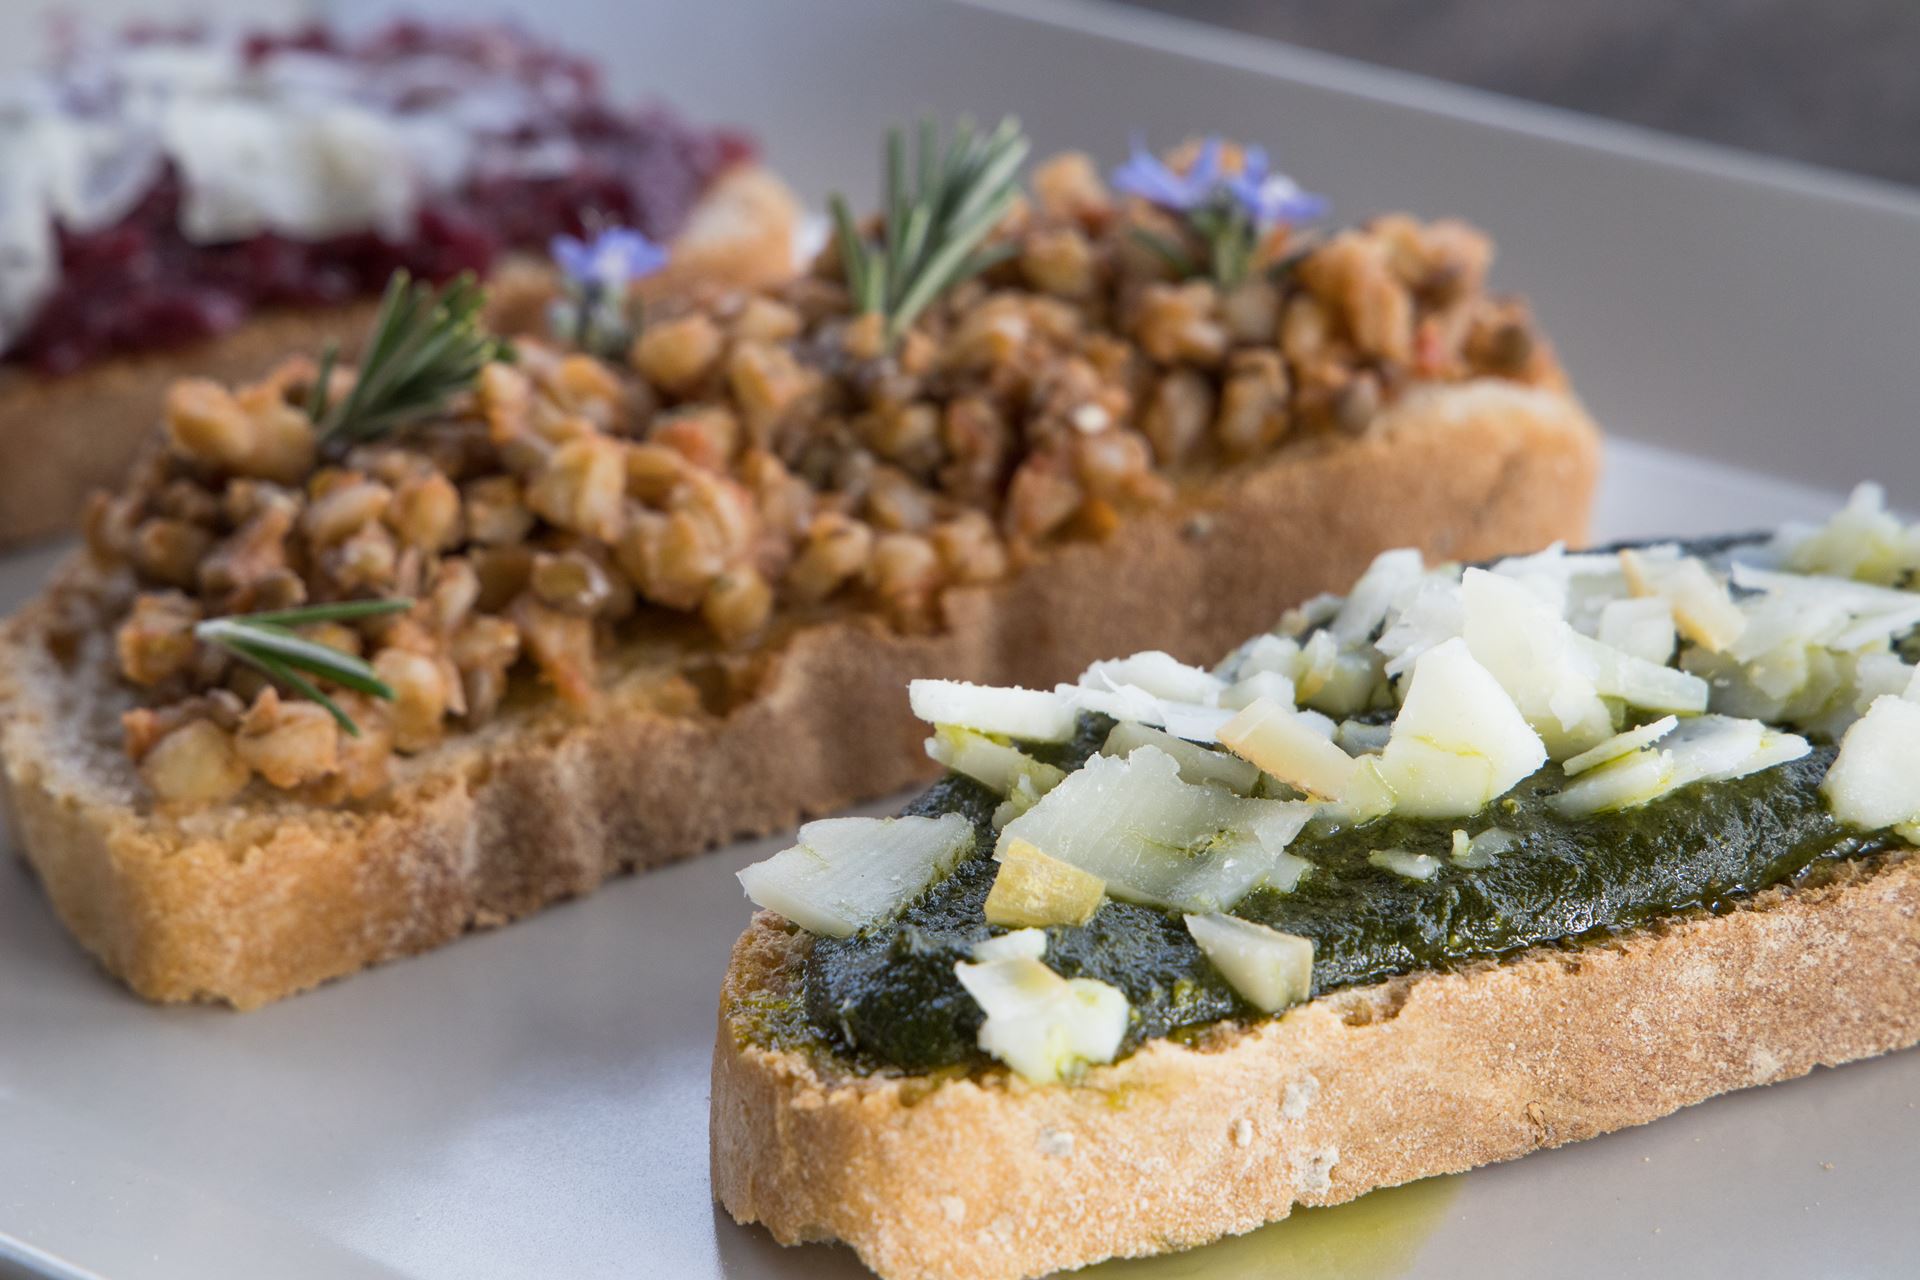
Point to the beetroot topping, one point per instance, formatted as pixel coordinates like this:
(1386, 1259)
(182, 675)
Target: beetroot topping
(161, 189)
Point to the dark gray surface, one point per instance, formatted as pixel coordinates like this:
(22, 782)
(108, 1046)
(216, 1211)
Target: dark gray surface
(1827, 81)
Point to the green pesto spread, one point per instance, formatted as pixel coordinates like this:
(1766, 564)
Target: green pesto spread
(888, 997)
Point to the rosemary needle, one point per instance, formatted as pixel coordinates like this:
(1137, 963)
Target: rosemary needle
(269, 642)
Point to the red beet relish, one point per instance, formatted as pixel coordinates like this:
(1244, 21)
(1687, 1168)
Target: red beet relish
(141, 285)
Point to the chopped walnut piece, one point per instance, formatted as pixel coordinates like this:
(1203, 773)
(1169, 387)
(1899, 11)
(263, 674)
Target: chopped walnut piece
(1351, 274)
(1042, 497)
(1180, 323)
(767, 382)
(836, 552)
(288, 743)
(283, 445)
(206, 425)
(1253, 404)
(505, 396)
(970, 549)
(905, 573)
(196, 763)
(737, 605)
(341, 508)
(562, 648)
(1177, 415)
(678, 355)
(483, 649)
(582, 487)
(571, 582)
(169, 550)
(156, 642)
(765, 320)
(420, 697)
(1069, 186)
(1060, 261)
(426, 512)
(705, 435)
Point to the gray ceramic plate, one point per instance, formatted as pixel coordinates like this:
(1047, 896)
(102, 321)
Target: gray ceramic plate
(532, 1102)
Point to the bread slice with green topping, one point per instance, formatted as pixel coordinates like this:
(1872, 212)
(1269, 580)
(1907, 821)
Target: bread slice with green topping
(989, 1177)
(1465, 864)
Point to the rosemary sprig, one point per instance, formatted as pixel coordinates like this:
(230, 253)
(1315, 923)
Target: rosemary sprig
(935, 223)
(426, 345)
(268, 641)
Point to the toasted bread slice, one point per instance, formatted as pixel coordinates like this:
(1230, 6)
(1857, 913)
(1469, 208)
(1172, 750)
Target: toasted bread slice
(990, 1178)
(254, 900)
(82, 430)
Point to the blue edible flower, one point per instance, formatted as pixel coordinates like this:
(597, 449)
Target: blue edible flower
(1267, 197)
(1147, 176)
(610, 261)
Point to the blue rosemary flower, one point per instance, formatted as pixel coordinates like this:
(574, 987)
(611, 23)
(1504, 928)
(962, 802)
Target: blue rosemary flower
(1269, 198)
(599, 313)
(1224, 216)
(1152, 179)
(613, 259)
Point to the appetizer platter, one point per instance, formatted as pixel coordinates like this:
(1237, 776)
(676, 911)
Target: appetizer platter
(537, 1099)
(201, 200)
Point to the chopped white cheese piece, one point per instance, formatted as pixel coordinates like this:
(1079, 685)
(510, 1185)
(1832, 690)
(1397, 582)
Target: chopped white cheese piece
(1619, 745)
(1042, 1025)
(1404, 862)
(1033, 715)
(1358, 738)
(992, 764)
(1537, 659)
(1459, 741)
(1198, 765)
(1270, 969)
(1862, 541)
(1710, 748)
(1365, 607)
(1158, 840)
(1030, 944)
(1481, 850)
(1875, 780)
(1281, 741)
(1641, 628)
(1261, 684)
(1702, 608)
(848, 873)
(1159, 674)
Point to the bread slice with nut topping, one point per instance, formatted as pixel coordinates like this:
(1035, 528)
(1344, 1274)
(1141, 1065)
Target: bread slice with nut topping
(270, 893)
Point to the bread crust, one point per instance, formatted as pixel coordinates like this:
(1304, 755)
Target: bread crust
(990, 1178)
(254, 900)
(81, 431)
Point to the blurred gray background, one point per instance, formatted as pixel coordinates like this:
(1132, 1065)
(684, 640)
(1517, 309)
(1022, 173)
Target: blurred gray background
(1826, 81)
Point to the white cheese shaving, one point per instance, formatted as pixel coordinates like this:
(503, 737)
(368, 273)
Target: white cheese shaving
(1270, 970)
(1158, 840)
(1044, 1026)
(847, 873)
(1874, 781)
(1033, 715)
(1459, 741)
